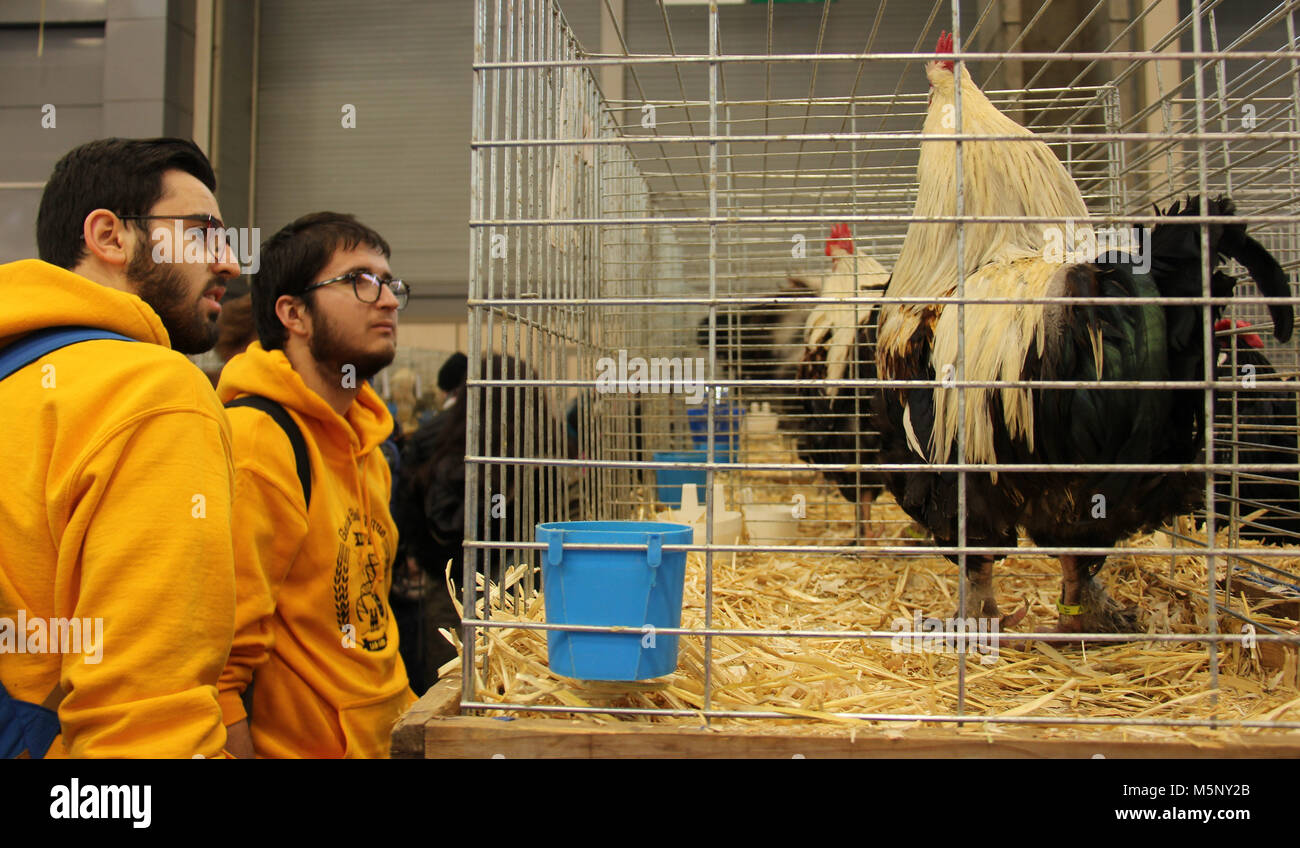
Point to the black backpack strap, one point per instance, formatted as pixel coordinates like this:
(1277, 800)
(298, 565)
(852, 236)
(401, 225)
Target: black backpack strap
(290, 427)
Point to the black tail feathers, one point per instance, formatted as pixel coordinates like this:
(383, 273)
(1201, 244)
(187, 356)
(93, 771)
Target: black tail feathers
(1177, 246)
(1267, 274)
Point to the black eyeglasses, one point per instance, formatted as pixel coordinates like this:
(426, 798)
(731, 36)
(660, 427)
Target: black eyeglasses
(213, 229)
(367, 286)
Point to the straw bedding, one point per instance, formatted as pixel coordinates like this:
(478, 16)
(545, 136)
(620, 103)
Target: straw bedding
(816, 681)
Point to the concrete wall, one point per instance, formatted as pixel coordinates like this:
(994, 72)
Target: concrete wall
(99, 68)
(230, 145)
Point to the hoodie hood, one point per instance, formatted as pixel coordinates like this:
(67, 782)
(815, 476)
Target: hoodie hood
(35, 295)
(269, 373)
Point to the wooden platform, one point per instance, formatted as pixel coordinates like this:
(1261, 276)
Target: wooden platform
(432, 729)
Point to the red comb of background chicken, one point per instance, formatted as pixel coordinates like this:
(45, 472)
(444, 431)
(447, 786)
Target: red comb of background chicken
(944, 46)
(841, 237)
(1251, 339)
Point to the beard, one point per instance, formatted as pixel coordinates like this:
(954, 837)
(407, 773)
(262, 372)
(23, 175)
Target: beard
(162, 286)
(332, 352)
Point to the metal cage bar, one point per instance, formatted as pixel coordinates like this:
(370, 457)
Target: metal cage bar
(684, 225)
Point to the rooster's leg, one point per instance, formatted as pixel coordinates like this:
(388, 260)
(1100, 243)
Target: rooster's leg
(864, 518)
(1085, 607)
(980, 599)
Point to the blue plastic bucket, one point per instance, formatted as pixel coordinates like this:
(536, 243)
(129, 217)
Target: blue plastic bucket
(727, 421)
(628, 588)
(668, 481)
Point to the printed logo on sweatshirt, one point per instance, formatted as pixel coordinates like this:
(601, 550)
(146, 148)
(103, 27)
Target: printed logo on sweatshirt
(367, 617)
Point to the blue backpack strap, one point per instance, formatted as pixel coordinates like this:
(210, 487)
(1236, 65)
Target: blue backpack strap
(33, 346)
(27, 728)
(301, 460)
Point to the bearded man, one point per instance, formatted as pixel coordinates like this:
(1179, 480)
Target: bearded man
(117, 584)
(316, 640)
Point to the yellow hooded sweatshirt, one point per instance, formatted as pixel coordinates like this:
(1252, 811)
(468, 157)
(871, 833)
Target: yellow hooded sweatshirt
(314, 630)
(115, 489)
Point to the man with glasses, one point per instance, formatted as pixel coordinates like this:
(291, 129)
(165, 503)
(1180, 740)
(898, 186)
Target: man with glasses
(117, 584)
(314, 670)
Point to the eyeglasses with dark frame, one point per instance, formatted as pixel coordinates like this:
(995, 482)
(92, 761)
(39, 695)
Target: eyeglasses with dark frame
(370, 284)
(212, 225)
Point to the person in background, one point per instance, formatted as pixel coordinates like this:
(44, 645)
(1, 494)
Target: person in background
(410, 585)
(432, 501)
(235, 327)
(404, 402)
(425, 605)
(316, 641)
(115, 465)
(451, 376)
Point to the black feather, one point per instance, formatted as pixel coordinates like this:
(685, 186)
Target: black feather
(835, 428)
(1267, 274)
(1095, 426)
(1266, 433)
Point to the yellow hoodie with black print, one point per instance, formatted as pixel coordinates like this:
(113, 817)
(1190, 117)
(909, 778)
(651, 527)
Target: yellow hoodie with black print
(314, 631)
(115, 487)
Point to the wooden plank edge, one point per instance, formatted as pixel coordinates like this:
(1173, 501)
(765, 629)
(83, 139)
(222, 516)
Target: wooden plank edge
(474, 737)
(442, 699)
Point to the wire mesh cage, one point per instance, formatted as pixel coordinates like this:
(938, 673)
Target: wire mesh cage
(696, 271)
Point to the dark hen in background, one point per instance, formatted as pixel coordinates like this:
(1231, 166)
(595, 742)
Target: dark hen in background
(761, 341)
(1266, 434)
(835, 422)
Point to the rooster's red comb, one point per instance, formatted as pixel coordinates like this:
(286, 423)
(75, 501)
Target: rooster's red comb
(944, 46)
(1251, 339)
(841, 237)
